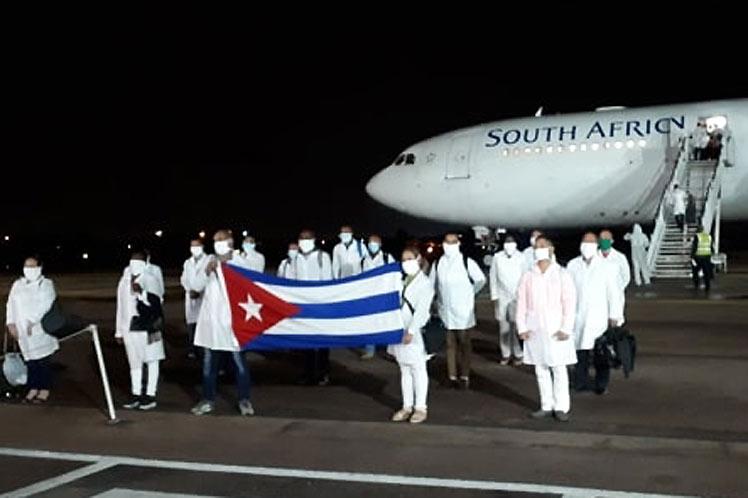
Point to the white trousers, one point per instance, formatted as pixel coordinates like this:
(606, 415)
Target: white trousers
(508, 338)
(136, 379)
(414, 379)
(554, 389)
(641, 269)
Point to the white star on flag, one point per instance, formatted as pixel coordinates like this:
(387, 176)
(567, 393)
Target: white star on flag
(252, 308)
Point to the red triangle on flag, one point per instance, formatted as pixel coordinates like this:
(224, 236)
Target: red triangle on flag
(253, 309)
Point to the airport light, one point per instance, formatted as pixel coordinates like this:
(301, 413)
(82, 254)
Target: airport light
(85, 255)
(159, 233)
(245, 233)
(430, 249)
(129, 246)
(6, 238)
(202, 234)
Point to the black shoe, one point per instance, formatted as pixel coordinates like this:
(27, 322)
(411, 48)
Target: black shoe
(133, 403)
(601, 391)
(454, 383)
(541, 414)
(147, 403)
(562, 416)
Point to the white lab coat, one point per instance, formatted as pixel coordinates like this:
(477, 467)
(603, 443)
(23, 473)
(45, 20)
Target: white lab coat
(679, 200)
(346, 260)
(503, 278)
(28, 302)
(639, 244)
(370, 262)
(315, 265)
(419, 294)
(287, 268)
(192, 280)
(213, 330)
(158, 275)
(456, 295)
(623, 270)
(546, 304)
(252, 260)
(528, 254)
(598, 299)
(136, 342)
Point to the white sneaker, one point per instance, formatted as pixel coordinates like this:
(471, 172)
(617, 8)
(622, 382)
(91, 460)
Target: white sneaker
(418, 417)
(402, 415)
(203, 408)
(245, 408)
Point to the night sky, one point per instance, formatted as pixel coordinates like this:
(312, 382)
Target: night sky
(115, 134)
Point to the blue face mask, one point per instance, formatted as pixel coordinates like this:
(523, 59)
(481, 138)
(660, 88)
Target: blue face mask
(374, 247)
(248, 246)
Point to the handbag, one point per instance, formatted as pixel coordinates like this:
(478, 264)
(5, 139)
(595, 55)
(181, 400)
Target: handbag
(14, 368)
(434, 333)
(59, 324)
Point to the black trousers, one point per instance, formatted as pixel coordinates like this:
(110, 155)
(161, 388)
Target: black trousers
(703, 263)
(316, 365)
(582, 371)
(39, 374)
(680, 220)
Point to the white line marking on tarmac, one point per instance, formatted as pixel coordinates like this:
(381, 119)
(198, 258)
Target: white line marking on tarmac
(132, 493)
(107, 461)
(61, 480)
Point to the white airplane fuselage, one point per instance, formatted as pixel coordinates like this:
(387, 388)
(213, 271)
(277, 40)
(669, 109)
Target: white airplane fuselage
(590, 169)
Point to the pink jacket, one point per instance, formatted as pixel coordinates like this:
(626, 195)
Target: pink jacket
(546, 304)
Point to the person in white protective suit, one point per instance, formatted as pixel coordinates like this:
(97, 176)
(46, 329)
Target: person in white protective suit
(457, 279)
(599, 307)
(507, 267)
(249, 257)
(347, 254)
(193, 284)
(546, 307)
(639, 245)
(411, 355)
(287, 267)
(139, 326)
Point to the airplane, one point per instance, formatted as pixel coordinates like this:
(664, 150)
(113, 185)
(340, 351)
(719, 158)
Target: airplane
(609, 167)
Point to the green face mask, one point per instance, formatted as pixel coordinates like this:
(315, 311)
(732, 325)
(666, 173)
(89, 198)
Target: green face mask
(605, 244)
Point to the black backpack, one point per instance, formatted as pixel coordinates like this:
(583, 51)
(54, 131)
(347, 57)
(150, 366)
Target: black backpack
(59, 324)
(434, 332)
(464, 262)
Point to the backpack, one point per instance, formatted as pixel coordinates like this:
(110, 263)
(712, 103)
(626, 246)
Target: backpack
(464, 262)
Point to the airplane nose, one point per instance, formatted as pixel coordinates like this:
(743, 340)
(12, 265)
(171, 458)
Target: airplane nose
(375, 187)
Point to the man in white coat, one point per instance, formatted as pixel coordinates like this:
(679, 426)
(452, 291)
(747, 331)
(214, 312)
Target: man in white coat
(619, 261)
(546, 306)
(347, 254)
(374, 257)
(599, 307)
(679, 202)
(214, 332)
(30, 297)
(639, 244)
(507, 268)
(457, 279)
(139, 326)
(193, 284)
(249, 257)
(313, 264)
(287, 267)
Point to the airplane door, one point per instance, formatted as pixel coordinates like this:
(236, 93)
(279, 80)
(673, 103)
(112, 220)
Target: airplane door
(458, 159)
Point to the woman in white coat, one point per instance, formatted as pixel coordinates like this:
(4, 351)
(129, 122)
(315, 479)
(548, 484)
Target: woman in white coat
(30, 298)
(417, 295)
(546, 305)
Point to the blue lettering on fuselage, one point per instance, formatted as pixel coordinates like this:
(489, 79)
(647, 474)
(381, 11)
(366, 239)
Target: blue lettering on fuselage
(598, 130)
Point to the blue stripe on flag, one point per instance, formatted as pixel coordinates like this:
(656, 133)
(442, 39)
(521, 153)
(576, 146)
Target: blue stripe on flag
(379, 303)
(273, 280)
(298, 341)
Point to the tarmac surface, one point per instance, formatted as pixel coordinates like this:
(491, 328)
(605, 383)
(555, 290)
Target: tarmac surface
(678, 425)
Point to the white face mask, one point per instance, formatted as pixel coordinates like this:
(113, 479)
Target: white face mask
(221, 247)
(346, 237)
(248, 246)
(137, 266)
(374, 247)
(32, 272)
(292, 253)
(196, 251)
(542, 253)
(510, 247)
(588, 249)
(451, 249)
(411, 266)
(306, 245)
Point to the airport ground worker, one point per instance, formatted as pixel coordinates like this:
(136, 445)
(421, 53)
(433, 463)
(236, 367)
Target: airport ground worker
(598, 307)
(546, 306)
(457, 279)
(701, 258)
(30, 297)
(639, 245)
(411, 356)
(507, 267)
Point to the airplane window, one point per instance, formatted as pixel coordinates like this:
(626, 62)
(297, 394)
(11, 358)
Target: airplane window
(410, 159)
(399, 159)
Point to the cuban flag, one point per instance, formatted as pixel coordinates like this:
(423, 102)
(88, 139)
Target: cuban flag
(268, 312)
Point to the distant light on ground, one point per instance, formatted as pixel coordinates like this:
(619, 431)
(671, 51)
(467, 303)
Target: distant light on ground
(429, 249)
(129, 246)
(245, 233)
(202, 234)
(323, 241)
(6, 238)
(85, 255)
(159, 233)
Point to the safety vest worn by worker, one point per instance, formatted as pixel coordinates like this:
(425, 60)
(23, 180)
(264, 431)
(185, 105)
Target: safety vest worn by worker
(705, 244)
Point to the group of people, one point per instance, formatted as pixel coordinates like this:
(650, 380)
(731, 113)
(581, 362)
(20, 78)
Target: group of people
(706, 145)
(549, 316)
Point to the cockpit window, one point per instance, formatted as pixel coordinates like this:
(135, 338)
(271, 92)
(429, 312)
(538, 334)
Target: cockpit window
(400, 159)
(410, 159)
